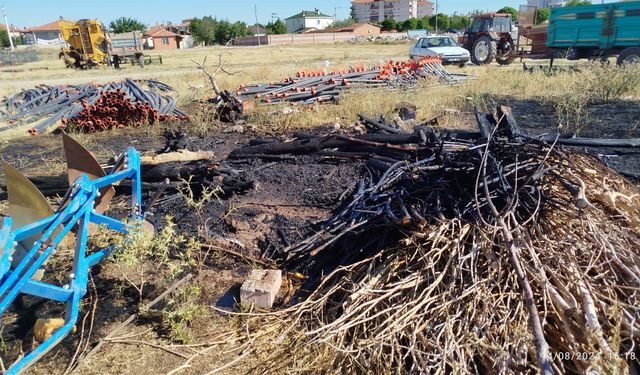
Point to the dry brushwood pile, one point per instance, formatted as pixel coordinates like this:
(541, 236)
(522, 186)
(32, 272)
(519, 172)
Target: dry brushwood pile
(463, 252)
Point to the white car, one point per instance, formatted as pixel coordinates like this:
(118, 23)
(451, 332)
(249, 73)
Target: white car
(444, 47)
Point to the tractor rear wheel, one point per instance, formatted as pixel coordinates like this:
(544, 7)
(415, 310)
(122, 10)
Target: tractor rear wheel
(629, 55)
(484, 51)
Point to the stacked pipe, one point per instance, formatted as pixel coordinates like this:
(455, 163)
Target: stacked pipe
(90, 107)
(316, 85)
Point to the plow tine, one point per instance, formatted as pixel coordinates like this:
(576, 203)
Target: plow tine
(81, 162)
(5, 232)
(146, 209)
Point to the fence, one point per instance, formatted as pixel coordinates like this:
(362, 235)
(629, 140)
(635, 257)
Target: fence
(16, 58)
(311, 38)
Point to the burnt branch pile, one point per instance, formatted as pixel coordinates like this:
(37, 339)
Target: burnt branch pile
(488, 252)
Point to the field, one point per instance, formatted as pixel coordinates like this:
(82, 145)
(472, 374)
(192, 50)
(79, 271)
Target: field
(187, 333)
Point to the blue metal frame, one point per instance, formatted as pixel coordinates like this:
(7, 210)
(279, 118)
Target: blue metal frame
(77, 208)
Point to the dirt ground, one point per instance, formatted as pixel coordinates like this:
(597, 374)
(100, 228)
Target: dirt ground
(285, 199)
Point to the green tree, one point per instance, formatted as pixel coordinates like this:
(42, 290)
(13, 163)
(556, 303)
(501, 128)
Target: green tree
(410, 24)
(344, 23)
(203, 30)
(542, 15)
(576, 3)
(459, 22)
(222, 31)
(4, 39)
(277, 27)
(510, 10)
(426, 23)
(126, 25)
(443, 21)
(389, 24)
(237, 30)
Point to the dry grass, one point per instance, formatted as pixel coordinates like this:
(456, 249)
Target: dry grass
(570, 93)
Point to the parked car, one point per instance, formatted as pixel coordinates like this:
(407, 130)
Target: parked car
(443, 46)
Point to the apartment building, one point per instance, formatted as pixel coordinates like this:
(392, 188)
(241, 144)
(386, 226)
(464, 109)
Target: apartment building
(546, 3)
(399, 10)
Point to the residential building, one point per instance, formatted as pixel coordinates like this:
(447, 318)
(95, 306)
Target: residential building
(308, 20)
(257, 30)
(546, 3)
(398, 10)
(162, 37)
(183, 27)
(425, 9)
(47, 34)
(356, 29)
(14, 32)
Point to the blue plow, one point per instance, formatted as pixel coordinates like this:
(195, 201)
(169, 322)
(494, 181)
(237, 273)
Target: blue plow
(36, 242)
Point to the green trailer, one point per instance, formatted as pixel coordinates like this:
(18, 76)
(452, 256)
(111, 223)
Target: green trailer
(597, 31)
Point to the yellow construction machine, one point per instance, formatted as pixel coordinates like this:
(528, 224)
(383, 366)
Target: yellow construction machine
(88, 43)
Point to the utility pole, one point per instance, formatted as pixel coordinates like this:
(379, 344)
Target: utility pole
(335, 14)
(436, 17)
(273, 17)
(4, 13)
(255, 9)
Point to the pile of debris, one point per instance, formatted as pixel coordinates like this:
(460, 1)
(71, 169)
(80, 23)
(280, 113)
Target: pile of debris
(315, 86)
(90, 107)
(474, 251)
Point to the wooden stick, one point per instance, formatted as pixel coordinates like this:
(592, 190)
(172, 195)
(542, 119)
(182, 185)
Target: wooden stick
(130, 319)
(542, 347)
(141, 342)
(236, 254)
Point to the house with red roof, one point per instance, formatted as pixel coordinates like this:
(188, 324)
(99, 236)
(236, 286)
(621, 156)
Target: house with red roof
(356, 29)
(163, 37)
(47, 34)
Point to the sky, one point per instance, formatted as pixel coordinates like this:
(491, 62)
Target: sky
(28, 13)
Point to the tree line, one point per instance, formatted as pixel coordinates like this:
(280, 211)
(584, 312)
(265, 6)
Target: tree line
(429, 23)
(207, 30)
(210, 30)
(461, 22)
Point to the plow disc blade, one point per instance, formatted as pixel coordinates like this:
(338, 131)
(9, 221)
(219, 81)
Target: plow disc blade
(26, 205)
(81, 161)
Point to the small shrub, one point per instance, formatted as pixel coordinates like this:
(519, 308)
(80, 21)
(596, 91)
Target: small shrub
(572, 112)
(181, 311)
(606, 83)
(204, 119)
(197, 201)
(141, 254)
